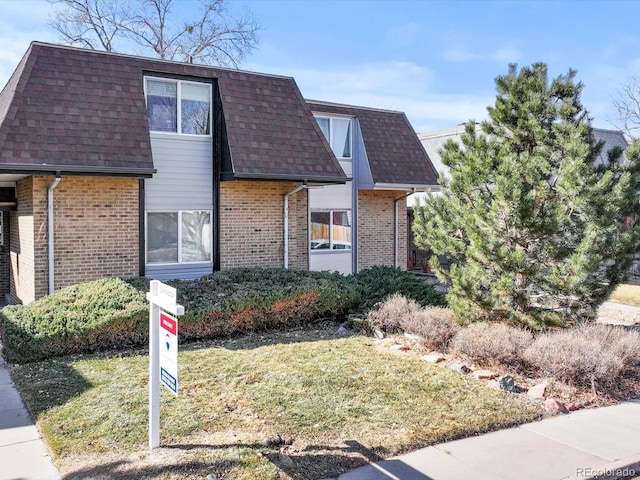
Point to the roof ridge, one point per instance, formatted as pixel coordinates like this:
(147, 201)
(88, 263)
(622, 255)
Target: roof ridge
(154, 59)
(359, 107)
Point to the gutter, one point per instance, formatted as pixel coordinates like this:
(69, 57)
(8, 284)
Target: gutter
(396, 245)
(50, 236)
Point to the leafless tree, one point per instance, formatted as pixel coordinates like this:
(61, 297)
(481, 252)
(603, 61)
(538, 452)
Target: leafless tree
(209, 36)
(627, 105)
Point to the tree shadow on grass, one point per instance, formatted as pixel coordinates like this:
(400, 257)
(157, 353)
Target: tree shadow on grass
(44, 388)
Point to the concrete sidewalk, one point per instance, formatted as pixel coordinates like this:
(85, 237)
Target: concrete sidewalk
(601, 443)
(23, 455)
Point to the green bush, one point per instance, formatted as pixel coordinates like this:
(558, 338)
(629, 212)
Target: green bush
(88, 317)
(375, 284)
(112, 313)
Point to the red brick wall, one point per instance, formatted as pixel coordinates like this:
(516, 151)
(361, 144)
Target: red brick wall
(252, 227)
(376, 245)
(96, 232)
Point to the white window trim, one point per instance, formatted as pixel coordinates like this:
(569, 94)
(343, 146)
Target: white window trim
(179, 262)
(331, 118)
(179, 107)
(330, 251)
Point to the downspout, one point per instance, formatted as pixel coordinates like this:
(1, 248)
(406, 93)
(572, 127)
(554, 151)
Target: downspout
(286, 222)
(396, 242)
(50, 235)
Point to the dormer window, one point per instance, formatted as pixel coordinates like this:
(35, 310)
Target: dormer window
(177, 106)
(337, 131)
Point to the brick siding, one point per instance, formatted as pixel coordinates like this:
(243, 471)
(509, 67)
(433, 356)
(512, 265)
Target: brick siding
(252, 227)
(376, 243)
(96, 232)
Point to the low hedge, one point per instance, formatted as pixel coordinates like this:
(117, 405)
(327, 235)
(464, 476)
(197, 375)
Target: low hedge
(88, 317)
(375, 284)
(113, 313)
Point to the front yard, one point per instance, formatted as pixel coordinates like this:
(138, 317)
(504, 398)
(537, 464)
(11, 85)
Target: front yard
(298, 405)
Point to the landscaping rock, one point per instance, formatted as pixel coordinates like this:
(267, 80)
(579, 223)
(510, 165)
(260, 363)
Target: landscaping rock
(556, 405)
(412, 336)
(398, 347)
(537, 391)
(459, 367)
(573, 406)
(433, 358)
(484, 374)
(507, 383)
(379, 334)
(344, 330)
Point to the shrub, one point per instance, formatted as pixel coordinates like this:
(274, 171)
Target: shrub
(375, 284)
(88, 317)
(492, 343)
(388, 315)
(586, 354)
(434, 325)
(112, 313)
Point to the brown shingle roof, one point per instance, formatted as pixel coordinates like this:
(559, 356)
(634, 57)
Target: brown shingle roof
(395, 154)
(75, 109)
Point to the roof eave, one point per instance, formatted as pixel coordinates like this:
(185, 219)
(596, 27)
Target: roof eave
(405, 186)
(228, 176)
(28, 169)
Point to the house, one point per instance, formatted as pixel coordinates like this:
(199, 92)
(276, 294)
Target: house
(115, 165)
(434, 141)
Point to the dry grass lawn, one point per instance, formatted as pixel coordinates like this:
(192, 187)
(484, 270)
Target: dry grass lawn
(627, 295)
(298, 405)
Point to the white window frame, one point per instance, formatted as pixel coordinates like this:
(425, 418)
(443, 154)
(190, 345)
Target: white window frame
(178, 84)
(330, 250)
(331, 119)
(179, 212)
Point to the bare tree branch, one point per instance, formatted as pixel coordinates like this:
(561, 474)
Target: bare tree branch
(627, 105)
(211, 36)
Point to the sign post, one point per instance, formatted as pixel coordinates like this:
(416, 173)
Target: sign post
(161, 296)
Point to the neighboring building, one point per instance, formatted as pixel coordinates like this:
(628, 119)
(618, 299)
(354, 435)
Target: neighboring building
(114, 165)
(433, 143)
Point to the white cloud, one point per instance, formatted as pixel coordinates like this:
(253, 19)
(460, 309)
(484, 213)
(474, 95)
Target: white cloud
(506, 54)
(399, 86)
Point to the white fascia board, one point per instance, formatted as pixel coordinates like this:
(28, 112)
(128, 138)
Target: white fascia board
(405, 187)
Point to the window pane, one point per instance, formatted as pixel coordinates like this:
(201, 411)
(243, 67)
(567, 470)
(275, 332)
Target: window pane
(341, 231)
(162, 237)
(162, 106)
(196, 236)
(323, 123)
(195, 105)
(320, 230)
(341, 137)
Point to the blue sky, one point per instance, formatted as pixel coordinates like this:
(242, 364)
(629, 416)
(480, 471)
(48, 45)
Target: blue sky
(434, 60)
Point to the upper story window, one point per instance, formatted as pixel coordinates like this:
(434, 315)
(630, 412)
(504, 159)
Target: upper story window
(337, 131)
(178, 106)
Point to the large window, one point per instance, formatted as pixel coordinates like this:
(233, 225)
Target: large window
(337, 131)
(178, 237)
(330, 230)
(178, 106)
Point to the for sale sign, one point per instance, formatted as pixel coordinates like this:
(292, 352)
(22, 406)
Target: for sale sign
(169, 351)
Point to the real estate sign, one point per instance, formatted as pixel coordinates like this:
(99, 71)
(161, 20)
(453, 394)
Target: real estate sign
(163, 350)
(169, 351)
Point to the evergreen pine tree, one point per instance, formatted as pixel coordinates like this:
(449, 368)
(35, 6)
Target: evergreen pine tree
(534, 230)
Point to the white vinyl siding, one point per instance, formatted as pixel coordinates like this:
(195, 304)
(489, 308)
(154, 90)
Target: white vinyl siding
(183, 183)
